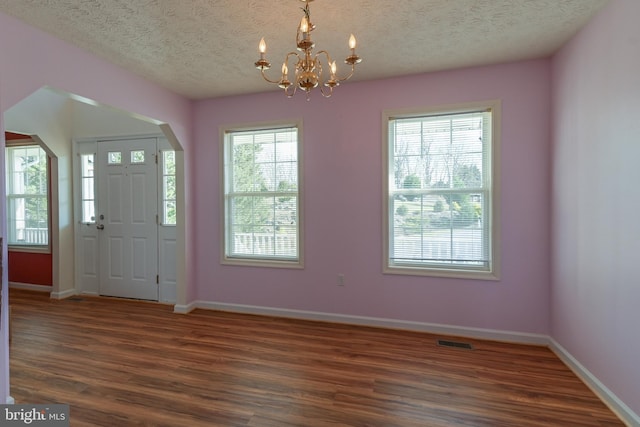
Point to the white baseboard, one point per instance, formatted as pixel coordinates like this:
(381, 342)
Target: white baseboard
(63, 294)
(185, 309)
(603, 392)
(434, 328)
(10, 400)
(30, 287)
(44, 288)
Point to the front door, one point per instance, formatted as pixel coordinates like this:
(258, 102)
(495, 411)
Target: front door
(127, 218)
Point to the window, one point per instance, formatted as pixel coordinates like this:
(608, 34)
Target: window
(87, 190)
(168, 187)
(440, 195)
(262, 207)
(27, 196)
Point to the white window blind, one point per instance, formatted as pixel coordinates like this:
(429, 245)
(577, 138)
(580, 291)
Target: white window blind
(440, 192)
(261, 189)
(27, 196)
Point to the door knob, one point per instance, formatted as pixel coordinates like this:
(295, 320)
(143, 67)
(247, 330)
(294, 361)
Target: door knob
(100, 226)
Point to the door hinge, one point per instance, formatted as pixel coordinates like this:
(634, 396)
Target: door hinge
(157, 219)
(156, 156)
(157, 279)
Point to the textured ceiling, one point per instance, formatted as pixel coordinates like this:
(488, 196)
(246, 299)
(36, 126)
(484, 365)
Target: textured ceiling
(206, 48)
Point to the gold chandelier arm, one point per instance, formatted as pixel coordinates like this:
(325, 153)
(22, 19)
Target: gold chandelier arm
(286, 58)
(335, 76)
(264, 76)
(342, 79)
(328, 92)
(328, 58)
(326, 54)
(290, 91)
(286, 61)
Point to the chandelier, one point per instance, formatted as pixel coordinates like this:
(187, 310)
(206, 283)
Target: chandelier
(308, 67)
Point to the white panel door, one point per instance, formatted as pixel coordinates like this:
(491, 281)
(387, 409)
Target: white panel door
(127, 218)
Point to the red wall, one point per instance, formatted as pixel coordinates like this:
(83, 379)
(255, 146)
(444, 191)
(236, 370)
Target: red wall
(10, 136)
(27, 267)
(31, 268)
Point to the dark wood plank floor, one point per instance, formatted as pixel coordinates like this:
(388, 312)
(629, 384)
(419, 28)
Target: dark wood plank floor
(124, 363)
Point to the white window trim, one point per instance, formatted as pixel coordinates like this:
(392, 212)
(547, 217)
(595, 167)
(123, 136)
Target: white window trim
(82, 147)
(262, 262)
(40, 249)
(495, 235)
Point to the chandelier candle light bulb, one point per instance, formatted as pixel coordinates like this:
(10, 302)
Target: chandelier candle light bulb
(307, 65)
(304, 28)
(262, 64)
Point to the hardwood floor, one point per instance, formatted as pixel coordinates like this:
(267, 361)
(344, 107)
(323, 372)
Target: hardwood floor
(124, 363)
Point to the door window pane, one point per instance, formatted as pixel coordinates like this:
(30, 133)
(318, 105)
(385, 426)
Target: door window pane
(137, 156)
(114, 157)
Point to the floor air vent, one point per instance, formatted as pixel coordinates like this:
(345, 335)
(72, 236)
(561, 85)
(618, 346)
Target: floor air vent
(75, 299)
(455, 344)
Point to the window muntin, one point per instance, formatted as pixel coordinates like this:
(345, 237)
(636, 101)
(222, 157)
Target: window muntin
(168, 187)
(440, 194)
(27, 196)
(261, 196)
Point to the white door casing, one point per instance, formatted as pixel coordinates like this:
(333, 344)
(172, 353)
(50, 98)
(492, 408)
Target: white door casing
(167, 236)
(87, 236)
(87, 274)
(127, 218)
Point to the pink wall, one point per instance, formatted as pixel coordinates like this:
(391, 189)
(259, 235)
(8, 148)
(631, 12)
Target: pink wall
(343, 203)
(596, 202)
(31, 59)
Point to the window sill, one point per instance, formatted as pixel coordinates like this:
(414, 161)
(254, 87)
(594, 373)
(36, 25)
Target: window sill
(441, 272)
(29, 249)
(249, 262)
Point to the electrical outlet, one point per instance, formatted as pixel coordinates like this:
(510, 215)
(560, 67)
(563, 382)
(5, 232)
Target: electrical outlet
(340, 280)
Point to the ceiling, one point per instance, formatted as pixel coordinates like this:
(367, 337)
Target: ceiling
(206, 48)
